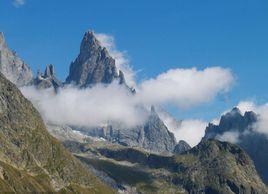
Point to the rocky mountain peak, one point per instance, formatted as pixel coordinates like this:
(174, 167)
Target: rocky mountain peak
(12, 67)
(89, 43)
(93, 65)
(49, 72)
(48, 80)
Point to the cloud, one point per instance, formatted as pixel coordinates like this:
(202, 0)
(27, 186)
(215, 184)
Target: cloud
(91, 107)
(18, 3)
(230, 136)
(186, 87)
(97, 106)
(261, 110)
(191, 131)
(121, 60)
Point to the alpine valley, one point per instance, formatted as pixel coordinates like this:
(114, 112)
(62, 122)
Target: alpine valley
(38, 155)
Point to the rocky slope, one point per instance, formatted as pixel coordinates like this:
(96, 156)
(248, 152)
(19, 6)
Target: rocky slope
(12, 66)
(32, 161)
(93, 65)
(255, 144)
(211, 167)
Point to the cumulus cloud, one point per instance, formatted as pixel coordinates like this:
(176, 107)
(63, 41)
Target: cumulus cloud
(186, 87)
(121, 60)
(18, 3)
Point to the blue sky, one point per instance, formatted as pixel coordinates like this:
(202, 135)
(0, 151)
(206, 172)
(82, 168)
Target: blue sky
(157, 35)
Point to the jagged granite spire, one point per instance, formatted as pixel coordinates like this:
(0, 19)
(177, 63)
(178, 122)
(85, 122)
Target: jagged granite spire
(47, 80)
(12, 67)
(93, 64)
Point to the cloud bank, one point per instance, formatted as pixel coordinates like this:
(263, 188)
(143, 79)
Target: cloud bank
(100, 105)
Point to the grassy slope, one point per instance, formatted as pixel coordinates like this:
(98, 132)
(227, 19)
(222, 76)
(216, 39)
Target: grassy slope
(28, 149)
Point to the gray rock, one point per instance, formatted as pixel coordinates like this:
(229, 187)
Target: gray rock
(93, 65)
(181, 147)
(48, 80)
(12, 66)
(152, 136)
(255, 144)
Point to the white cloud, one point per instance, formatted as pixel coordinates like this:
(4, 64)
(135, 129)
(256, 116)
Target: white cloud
(186, 87)
(121, 59)
(190, 131)
(18, 3)
(230, 136)
(99, 105)
(262, 110)
(90, 107)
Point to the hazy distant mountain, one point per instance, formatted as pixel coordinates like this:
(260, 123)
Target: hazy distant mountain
(241, 127)
(12, 66)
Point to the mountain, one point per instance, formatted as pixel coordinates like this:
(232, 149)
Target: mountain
(255, 144)
(211, 167)
(12, 66)
(48, 80)
(32, 161)
(153, 135)
(93, 65)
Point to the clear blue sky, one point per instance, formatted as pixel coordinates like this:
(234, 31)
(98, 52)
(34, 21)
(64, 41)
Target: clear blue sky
(157, 35)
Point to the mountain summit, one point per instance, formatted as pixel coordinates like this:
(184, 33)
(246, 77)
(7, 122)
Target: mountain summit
(255, 144)
(93, 65)
(12, 66)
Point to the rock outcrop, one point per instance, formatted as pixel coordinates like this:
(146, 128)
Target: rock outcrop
(12, 66)
(181, 147)
(32, 161)
(255, 144)
(93, 65)
(48, 80)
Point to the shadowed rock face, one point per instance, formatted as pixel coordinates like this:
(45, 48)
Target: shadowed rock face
(93, 64)
(12, 66)
(255, 144)
(48, 80)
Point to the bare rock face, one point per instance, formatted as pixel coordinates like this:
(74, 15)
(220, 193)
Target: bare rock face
(93, 65)
(152, 136)
(12, 66)
(48, 80)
